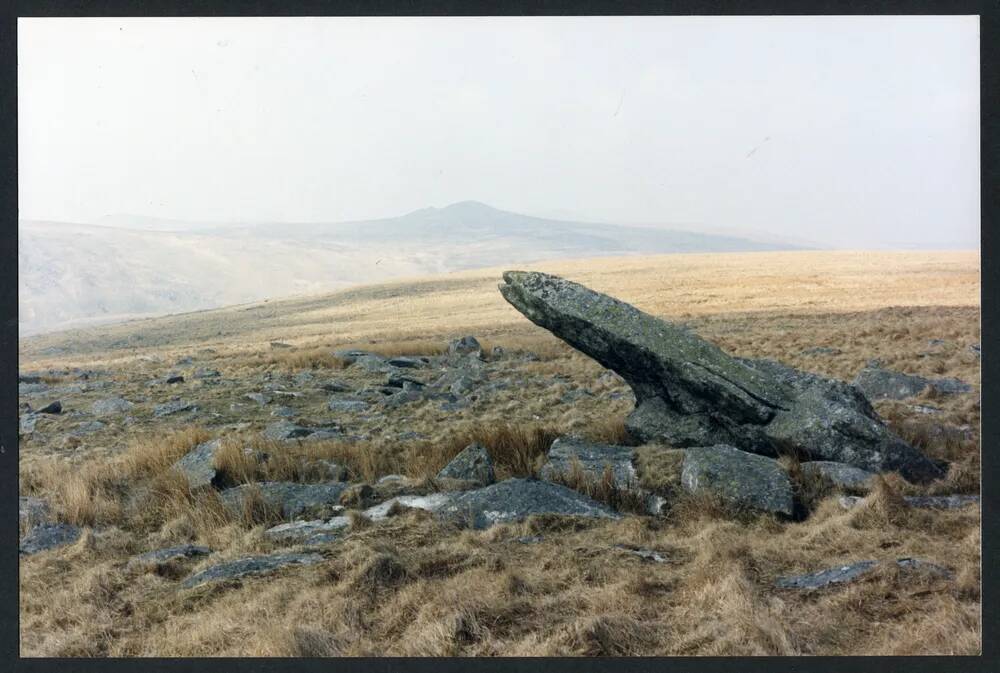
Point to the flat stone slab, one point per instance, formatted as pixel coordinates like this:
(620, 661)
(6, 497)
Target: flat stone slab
(845, 476)
(198, 465)
(742, 479)
(516, 499)
(295, 500)
(48, 536)
(850, 572)
(472, 464)
(922, 501)
(249, 566)
(689, 393)
(160, 556)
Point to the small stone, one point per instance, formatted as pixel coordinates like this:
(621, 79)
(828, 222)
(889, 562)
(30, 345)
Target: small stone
(850, 572)
(51, 408)
(293, 499)
(740, 478)
(840, 474)
(472, 464)
(176, 378)
(206, 374)
(161, 556)
(198, 465)
(283, 412)
(346, 405)
(464, 346)
(259, 398)
(172, 407)
(111, 405)
(48, 536)
(32, 511)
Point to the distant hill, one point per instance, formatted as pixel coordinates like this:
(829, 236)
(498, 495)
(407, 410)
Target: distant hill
(131, 266)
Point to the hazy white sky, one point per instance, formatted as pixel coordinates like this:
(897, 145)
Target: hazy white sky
(849, 131)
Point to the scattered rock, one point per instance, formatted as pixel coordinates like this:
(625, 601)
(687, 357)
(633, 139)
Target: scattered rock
(351, 356)
(198, 465)
(516, 499)
(27, 423)
(308, 532)
(111, 405)
(740, 478)
(206, 374)
(340, 404)
(644, 554)
(294, 500)
(925, 409)
(282, 430)
(51, 408)
(302, 378)
(406, 362)
(172, 407)
(283, 412)
(881, 384)
(259, 398)
(850, 572)
(176, 378)
(162, 556)
(88, 428)
(465, 346)
(335, 387)
(845, 476)
(29, 378)
(32, 511)
(249, 566)
(569, 453)
(184, 361)
(822, 350)
(922, 501)
(48, 536)
(472, 464)
(29, 389)
(689, 393)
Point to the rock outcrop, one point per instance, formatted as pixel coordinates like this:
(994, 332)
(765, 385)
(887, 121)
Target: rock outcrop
(689, 393)
(472, 464)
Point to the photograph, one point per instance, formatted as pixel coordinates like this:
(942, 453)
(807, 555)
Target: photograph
(498, 336)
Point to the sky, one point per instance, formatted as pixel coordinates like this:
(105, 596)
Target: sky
(853, 132)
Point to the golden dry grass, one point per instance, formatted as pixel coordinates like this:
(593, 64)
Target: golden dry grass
(412, 585)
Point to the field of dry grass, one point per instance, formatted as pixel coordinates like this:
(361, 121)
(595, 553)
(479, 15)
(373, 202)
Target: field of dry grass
(414, 585)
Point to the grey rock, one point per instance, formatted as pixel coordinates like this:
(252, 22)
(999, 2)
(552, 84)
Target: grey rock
(186, 360)
(198, 465)
(283, 412)
(852, 571)
(335, 387)
(29, 378)
(925, 409)
(176, 378)
(457, 405)
(593, 459)
(249, 566)
(516, 499)
(389, 478)
(259, 398)
(921, 501)
(27, 423)
(346, 404)
(206, 373)
(351, 356)
(845, 476)
(690, 393)
(88, 428)
(464, 384)
(302, 378)
(472, 464)
(161, 556)
(51, 408)
(32, 511)
(48, 536)
(295, 500)
(29, 389)
(373, 363)
(743, 479)
(310, 533)
(880, 384)
(284, 429)
(822, 350)
(464, 346)
(172, 407)
(111, 405)
(406, 362)
(644, 554)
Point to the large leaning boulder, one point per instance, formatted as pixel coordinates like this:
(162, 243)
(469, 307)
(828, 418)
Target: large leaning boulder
(690, 393)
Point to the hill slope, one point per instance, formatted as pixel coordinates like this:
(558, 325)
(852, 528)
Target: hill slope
(127, 267)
